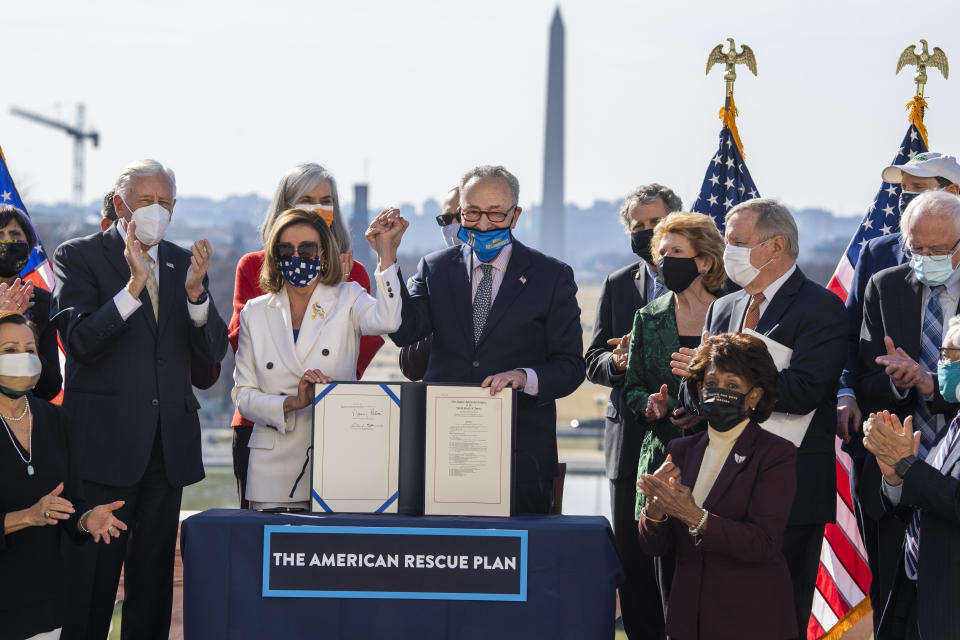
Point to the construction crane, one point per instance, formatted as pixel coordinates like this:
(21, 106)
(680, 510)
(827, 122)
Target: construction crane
(76, 132)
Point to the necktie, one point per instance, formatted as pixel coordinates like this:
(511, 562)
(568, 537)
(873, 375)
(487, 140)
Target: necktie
(658, 290)
(911, 542)
(481, 303)
(752, 318)
(152, 289)
(929, 355)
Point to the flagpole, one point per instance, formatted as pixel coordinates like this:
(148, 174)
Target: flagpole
(730, 59)
(921, 60)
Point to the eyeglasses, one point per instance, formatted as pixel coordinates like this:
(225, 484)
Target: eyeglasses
(492, 216)
(445, 219)
(306, 250)
(909, 252)
(949, 354)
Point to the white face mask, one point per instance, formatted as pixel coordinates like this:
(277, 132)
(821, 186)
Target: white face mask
(152, 222)
(19, 373)
(449, 233)
(736, 262)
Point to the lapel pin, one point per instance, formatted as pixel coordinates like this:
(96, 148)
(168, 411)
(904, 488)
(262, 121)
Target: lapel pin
(170, 264)
(523, 280)
(739, 458)
(317, 311)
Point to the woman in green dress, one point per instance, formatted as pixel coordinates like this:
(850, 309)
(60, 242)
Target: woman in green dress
(689, 253)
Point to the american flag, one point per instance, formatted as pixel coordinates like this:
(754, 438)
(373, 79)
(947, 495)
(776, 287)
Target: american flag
(882, 217)
(727, 182)
(38, 270)
(843, 579)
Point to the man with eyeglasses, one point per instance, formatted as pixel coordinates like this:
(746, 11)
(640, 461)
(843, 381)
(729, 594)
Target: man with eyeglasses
(414, 357)
(903, 321)
(502, 315)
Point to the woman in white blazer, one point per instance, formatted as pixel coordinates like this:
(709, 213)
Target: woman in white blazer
(305, 330)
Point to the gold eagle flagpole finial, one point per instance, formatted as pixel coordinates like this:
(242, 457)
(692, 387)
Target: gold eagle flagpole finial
(731, 59)
(922, 60)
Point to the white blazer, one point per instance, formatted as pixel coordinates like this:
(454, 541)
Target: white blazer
(269, 365)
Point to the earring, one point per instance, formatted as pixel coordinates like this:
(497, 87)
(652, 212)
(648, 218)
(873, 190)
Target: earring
(703, 272)
(323, 267)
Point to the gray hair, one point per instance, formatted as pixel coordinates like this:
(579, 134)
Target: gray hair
(296, 182)
(491, 171)
(933, 202)
(142, 169)
(108, 211)
(951, 337)
(773, 219)
(647, 193)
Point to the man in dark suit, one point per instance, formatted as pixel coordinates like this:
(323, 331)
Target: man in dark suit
(501, 315)
(905, 308)
(134, 314)
(781, 303)
(624, 292)
(923, 492)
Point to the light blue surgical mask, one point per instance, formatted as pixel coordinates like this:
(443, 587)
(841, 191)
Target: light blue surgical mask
(948, 379)
(932, 270)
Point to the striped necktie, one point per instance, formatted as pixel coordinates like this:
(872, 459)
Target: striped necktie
(911, 542)
(930, 341)
(154, 291)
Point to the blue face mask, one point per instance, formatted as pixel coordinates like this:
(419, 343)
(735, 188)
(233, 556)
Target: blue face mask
(486, 244)
(948, 378)
(932, 270)
(905, 198)
(299, 272)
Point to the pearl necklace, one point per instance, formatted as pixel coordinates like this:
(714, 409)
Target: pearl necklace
(29, 459)
(26, 407)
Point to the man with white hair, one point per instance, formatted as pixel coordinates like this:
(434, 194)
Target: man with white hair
(133, 313)
(903, 321)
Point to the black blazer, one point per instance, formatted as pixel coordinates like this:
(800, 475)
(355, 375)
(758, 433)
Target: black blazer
(126, 379)
(623, 292)
(812, 321)
(937, 495)
(50, 382)
(534, 322)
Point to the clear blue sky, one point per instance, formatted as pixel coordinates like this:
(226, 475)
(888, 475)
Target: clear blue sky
(409, 94)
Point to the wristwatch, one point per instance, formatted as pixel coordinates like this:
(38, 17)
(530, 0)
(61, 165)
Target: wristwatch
(904, 465)
(200, 299)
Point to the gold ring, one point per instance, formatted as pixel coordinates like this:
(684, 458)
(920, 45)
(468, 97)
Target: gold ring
(655, 498)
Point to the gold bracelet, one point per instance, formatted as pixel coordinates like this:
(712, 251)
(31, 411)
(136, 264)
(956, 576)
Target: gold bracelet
(649, 519)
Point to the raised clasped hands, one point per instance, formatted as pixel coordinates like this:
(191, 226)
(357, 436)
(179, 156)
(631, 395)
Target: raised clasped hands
(384, 235)
(621, 351)
(16, 297)
(905, 372)
(304, 397)
(890, 441)
(200, 254)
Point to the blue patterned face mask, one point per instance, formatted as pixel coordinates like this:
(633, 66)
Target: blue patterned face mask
(298, 271)
(486, 244)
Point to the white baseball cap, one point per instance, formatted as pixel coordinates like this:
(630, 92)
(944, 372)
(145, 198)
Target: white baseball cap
(925, 165)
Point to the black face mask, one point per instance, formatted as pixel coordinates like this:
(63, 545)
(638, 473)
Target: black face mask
(724, 409)
(13, 258)
(677, 273)
(640, 243)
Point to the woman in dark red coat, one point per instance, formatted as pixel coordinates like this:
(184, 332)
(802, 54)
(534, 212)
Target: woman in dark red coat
(306, 186)
(722, 500)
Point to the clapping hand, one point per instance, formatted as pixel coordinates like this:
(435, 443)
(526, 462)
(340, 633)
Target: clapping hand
(50, 509)
(304, 397)
(890, 442)
(200, 254)
(680, 360)
(657, 404)
(102, 524)
(905, 372)
(671, 498)
(134, 257)
(17, 296)
(621, 351)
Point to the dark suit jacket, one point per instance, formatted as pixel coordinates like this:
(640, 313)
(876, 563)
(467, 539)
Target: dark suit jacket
(937, 494)
(878, 254)
(48, 386)
(534, 322)
(126, 379)
(623, 293)
(807, 318)
(733, 580)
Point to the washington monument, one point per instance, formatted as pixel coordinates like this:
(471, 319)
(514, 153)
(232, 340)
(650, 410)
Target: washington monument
(552, 231)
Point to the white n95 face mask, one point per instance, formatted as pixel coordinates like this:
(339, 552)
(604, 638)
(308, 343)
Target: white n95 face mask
(152, 222)
(20, 364)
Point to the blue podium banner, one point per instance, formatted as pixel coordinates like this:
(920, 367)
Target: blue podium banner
(394, 563)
